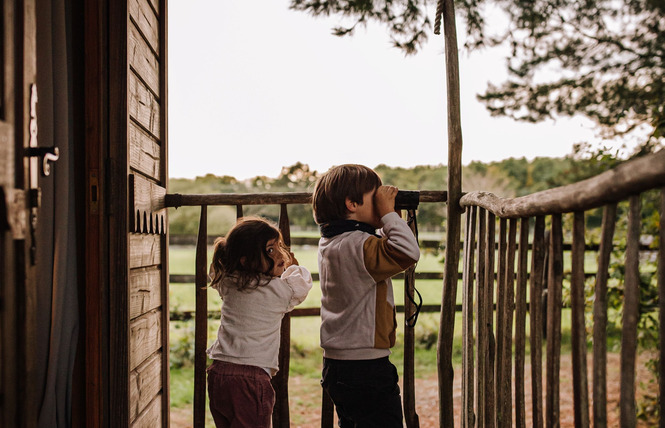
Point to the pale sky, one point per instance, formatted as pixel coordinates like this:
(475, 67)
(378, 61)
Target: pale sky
(254, 86)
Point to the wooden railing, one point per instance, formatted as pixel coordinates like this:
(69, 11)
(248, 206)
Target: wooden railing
(281, 416)
(487, 375)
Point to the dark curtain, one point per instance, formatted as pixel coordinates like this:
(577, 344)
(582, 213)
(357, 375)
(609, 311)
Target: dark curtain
(57, 317)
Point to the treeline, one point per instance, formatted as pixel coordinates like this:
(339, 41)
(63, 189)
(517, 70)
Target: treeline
(510, 177)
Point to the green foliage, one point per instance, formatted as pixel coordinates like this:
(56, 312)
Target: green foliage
(602, 59)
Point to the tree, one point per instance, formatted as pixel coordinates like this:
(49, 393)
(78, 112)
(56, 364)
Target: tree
(600, 58)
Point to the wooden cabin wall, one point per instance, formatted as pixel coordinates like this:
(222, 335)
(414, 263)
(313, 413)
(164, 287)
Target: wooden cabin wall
(139, 316)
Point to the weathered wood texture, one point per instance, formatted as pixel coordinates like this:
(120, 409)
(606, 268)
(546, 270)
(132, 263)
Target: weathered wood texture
(152, 416)
(578, 328)
(148, 214)
(144, 250)
(280, 382)
(176, 200)
(144, 124)
(468, 414)
(145, 19)
(661, 304)
(600, 318)
(554, 286)
(144, 107)
(490, 411)
(445, 368)
(482, 345)
(410, 318)
(631, 177)
(145, 382)
(536, 280)
(118, 225)
(145, 291)
(144, 152)
(142, 60)
(520, 323)
(145, 337)
(201, 322)
(631, 313)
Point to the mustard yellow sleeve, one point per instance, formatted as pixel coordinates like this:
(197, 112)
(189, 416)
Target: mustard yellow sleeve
(383, 260)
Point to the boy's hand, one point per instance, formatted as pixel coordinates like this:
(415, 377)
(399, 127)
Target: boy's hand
(384, 199)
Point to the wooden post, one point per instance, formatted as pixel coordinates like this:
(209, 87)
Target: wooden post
(661, 300)
(280, 415)
(468, 417)
(448, 300)
(631, 310)
(490, 400)
(201, 321)
(409, 399)
(555, 282)
(535, 318)
(482, 345)
(520, 323)
(578, 339)
(501, 327)
(600, 318)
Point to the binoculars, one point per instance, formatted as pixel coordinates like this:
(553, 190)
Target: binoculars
(407, 199)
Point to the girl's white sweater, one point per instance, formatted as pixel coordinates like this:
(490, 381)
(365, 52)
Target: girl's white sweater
(249, 330)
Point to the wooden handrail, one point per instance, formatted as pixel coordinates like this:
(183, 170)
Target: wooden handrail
(629, 178)
(176, 200)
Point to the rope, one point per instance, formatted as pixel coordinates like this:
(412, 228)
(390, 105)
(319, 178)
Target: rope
(413, 319)
(439, 16)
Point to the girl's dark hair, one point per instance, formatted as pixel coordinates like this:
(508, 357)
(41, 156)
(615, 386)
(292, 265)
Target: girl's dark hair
(242, 254)
(338, 183)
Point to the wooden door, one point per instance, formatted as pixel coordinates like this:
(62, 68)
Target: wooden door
(19, 213)
(138, 272)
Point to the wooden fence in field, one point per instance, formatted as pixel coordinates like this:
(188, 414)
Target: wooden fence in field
(488, 377)
(494, 302)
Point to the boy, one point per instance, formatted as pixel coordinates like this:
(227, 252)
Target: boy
(357, 305)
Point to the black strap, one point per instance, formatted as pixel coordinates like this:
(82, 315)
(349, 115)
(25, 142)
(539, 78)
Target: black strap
(413, 319)
(334, 228)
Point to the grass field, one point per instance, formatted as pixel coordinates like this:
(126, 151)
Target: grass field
(306, 355)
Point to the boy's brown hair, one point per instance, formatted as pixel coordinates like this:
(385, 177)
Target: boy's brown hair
(338, 183)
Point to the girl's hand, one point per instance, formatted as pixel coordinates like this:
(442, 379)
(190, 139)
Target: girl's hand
(384, 200)
(294, 261)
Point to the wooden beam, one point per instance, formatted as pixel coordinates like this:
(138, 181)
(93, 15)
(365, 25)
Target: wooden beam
(628, 178)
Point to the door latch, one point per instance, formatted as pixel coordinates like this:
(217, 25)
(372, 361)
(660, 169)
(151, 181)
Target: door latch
(36, 153)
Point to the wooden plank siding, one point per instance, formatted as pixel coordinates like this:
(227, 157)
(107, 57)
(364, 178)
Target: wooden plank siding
(147, 229)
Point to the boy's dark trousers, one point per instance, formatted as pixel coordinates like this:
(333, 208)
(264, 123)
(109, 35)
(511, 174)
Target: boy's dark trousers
(365, 392)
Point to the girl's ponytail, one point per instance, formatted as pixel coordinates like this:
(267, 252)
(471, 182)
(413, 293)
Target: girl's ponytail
(218, 267)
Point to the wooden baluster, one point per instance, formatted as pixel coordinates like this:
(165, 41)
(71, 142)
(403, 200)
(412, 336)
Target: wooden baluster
(500, 326)
(535, 319)
(482, 347)
(661, 300)
(600, 318)
(280, 382)
(520, 323)
(201, 320)
(327, 410)
(409, 399)
(490, 411)
(467, 319)
(578, 331)
(555, 282)
(238, 211)
(631, 308)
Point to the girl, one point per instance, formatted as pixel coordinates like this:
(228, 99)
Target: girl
(259, 281)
